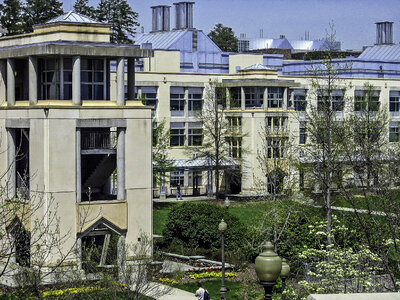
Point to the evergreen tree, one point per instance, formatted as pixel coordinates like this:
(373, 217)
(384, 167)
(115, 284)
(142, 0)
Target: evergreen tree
(11, 12)
(121, 17)
(40, 11)
(224, 37)
(82, 7)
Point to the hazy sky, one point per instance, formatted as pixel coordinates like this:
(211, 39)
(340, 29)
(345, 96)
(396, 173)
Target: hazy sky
(354, 19)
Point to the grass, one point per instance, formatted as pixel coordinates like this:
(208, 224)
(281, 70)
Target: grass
(160, 217)
(213, 287)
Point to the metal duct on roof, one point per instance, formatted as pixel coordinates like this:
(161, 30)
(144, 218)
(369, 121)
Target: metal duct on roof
(384, 33)
(161, 18)
(184, 15)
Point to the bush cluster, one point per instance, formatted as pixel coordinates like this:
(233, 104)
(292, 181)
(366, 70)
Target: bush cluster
(195, 226)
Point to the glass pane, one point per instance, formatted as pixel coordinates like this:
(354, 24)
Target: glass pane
(67, 91)
(86, 76)
(67, 63)
(86, 92)
(98, 64)
(98, 92)
(98, 77)
(67, 76)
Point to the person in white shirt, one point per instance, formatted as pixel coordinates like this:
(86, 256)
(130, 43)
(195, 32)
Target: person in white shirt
(200, 292)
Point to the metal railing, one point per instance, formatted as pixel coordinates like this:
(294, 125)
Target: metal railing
(98, 140)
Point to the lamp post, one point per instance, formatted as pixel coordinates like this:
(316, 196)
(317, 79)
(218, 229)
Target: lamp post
(268, 268)
(284, 274)
(222, 227)
(227, 203)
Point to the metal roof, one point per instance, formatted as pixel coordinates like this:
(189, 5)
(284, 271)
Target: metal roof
(258, 67)
(161, 40)
(204, 163)
(73, 17)
(382, 52)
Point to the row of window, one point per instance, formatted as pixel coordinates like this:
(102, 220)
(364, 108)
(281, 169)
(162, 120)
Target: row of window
(186, 134)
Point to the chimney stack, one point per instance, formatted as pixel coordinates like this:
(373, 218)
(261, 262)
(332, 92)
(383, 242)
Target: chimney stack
(161, 18)
(184, 15)
(384, 33)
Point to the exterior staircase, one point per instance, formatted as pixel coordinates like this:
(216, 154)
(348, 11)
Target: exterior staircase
(102, 172)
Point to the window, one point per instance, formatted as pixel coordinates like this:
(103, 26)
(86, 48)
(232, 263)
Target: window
(50, 77)
(195, 100)
(366, 100)
(334, 100)
(394, 132)
(254, 97)
(177, 101)
(235, 147)
(177, 177)
(67, 78)
(235, 97)
(276, 125)
(302, 133)
(149, 94)
(177, 134)
(299, 97)
(92, 79)
(195, 134)
(234, 124)
(394, 100)
(275, 147)
(275, 97)
(220, 94)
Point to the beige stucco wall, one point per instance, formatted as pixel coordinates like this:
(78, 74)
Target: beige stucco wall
(163, 61)
(243, 61)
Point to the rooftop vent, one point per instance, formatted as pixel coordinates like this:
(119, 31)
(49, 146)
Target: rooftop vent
(184, 15)
(384, 33)
(161, 18)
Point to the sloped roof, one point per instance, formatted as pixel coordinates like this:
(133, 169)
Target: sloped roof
(382, 52)
(73, 17)
(160, 40)
(258, 67)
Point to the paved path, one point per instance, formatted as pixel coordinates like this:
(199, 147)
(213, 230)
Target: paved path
(172, 294)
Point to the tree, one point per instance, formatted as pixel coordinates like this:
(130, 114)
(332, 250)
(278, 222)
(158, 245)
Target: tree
(40, 11)
(11, 19)
(82, 7)
(121, 17)
(224, 37)
(215, 145)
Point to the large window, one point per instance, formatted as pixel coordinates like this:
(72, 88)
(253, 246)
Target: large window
(177, 101)
(177, 177)
(234, 125)
(275, 147)
(394, 101)
(195, 100)
(50, 78)
(220, 95)
(333, 101)
(302, 133)
(366, 100)
(394, 132)
(276, 125)
(275, 97)
(254, 97)
(149, 96)
(299, 98)
(235, 147)
(93, 79)
(177, 134)
(235, 97)
(195, 134)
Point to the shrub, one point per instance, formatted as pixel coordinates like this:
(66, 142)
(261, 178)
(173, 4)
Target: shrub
(195, 225)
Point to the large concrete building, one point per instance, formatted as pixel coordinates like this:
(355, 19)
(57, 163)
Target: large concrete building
(71, 144)
(265, 92)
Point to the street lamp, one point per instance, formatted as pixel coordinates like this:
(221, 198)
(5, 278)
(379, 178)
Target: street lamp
(284, 274)
(268, 268)
(222, 227)
(227, 203)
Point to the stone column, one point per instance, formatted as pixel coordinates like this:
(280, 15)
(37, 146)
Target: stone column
(285, 98)
(186, 109)
(79, 253)
(266, 98)
(131, 79)
(76, 80)
(10, 81)
(228, 98)
(242, 98)
(120, 81)
(33, 82)
(11, 153)
(121, 164)
(78, 166)
(3, 78)
(121, 258)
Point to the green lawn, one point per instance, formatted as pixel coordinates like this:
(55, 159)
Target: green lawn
(160, 217)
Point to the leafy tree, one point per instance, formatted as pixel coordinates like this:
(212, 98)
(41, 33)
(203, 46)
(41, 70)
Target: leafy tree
(224, 37)
(40, 11)
(11, 19)
(82, 7)
(121, 17)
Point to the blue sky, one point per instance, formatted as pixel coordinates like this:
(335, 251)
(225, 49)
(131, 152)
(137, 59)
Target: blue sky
(354, 19)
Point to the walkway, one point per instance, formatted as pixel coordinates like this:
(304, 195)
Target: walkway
(169, 292)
